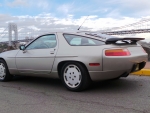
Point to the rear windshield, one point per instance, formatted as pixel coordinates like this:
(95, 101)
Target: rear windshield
(76, 40)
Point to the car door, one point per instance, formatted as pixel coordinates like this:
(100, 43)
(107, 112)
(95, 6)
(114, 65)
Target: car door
(38, 57)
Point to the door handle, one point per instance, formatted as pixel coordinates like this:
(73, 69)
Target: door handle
(53, 51)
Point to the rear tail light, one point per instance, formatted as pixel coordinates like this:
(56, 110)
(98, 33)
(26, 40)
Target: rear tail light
(117, 52)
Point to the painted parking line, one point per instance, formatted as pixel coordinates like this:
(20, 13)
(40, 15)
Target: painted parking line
(144, 72)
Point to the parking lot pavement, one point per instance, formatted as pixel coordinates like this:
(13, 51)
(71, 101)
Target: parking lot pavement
(42, 95)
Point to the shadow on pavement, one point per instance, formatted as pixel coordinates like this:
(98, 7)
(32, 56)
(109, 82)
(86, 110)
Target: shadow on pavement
(123, 84)
(37, 81)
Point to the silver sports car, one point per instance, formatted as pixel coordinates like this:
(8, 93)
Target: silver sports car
(76, 58)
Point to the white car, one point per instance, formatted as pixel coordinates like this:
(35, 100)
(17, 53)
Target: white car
(76, 58)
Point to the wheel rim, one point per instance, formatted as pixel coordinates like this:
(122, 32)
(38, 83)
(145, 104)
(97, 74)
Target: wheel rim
(2, 71)
(72, 76)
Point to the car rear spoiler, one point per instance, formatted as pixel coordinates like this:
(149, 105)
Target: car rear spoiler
(124, 40)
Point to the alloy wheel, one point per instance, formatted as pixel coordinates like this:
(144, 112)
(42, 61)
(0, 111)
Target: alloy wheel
(72, 76)
(2, 71)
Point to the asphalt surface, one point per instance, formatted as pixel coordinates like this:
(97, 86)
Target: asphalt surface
(42, 95)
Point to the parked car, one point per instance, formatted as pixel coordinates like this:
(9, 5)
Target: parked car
(76, 58)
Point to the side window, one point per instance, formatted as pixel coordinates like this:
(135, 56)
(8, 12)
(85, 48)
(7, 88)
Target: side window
(43, 42)
(76, 40)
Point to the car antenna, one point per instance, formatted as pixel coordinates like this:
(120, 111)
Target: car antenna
(82, 23)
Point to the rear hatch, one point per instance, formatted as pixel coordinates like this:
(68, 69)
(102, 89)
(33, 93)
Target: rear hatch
(123, 54)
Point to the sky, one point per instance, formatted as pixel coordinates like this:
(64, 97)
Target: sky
(38, 16)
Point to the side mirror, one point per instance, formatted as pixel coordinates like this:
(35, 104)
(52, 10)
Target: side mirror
(22, 47)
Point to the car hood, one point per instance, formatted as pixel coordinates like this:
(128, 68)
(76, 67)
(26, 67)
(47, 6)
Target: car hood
(11, 53)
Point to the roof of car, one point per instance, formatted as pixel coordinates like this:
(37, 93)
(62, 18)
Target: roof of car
(96, 35)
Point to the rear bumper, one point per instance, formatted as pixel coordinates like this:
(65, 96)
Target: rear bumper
(105, 75)
(117, 66)
(122, 63)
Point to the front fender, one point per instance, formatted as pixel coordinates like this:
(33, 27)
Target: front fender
(9, 57)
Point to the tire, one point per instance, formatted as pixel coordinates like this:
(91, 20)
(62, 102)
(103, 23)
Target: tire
(4, 72)
(75, 77)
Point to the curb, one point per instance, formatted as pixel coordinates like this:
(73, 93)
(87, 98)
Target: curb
(144, 72)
